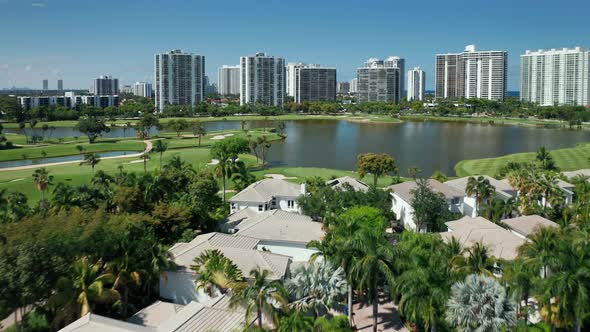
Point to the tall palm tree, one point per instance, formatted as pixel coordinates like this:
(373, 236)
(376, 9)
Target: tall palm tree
(199, 130)
(316, 287)
(160, 147)
(125, 276)
(215, 272)
(548, 185)
(264, 145)
(260, 295)
(481, 188)
(90, 159)
(540, 250)
(480, 303)
(474, 260)
(545, 159)
(42, 181)
(520, 279)
(373, 262)
(84, 288)
(145, 157)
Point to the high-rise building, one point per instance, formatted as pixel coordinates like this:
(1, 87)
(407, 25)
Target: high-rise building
(400, 63)
(376, 82)
(126, 89)
(354, 85)
(291, 75)
(471, 74)
(228, 80)
(343, 87)
(142, 89)
(314, 83)
(105, 85)
(60, 85)
(179, 79)
(262, 80)
(416, 84)
(555, 77)
(45, 84)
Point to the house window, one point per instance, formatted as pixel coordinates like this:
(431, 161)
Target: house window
(274, 201)
(260, 208)
(234, 206)
(290, 204)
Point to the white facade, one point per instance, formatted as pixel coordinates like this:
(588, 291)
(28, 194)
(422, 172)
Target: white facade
(472, 74)
(142, 89)
(69, 100)
(262, 80)
(179, 79)
(282, 203)
(416, 84)
(354, 85)
(105, 85)
(290, 74)
(179, 287)
(228, 80)
(555, 77)
(405, 213)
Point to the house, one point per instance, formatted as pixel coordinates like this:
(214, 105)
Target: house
(179, 286)
(278, 231)
(524, 226)
(402, 200)
(567, 188)
(502, 243)
(214, 315)
(504, 191)
(340, 183)
(268, 194)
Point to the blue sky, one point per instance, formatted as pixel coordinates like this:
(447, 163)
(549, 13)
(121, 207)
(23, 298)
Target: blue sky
(79, 40)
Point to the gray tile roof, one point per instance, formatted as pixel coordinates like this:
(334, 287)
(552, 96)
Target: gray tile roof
(404, 189)
(358, 185)
(501, 242)
(240, 249)
(502, 188)
(527, 225)
(279, 225)
(264, 190)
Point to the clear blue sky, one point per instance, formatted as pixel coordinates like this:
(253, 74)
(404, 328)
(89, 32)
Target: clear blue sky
(79, 40)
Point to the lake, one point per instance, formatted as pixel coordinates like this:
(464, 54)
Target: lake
(429, 145)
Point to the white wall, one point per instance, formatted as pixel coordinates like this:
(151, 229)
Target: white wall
(179, 287)
(298, 252)
(237, 206)
(283, 204)
(403, 211)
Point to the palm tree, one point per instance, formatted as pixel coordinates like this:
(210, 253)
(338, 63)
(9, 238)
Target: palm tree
(264, 144)
(125, 276)
(215, 271)
(42, 181)
(480, 304)
(90, 159)
(316, 287)
(414, 171)
(474, 260)
(296, 321)
(84, 288)
(160, 147)
(145, 158)
(481, 188)
(260, 295)
(549, 187)
(545, 159)
(241, 176)
(374, 261)
(539, 251)
(520, 279)
(243, 125)
(199, 129)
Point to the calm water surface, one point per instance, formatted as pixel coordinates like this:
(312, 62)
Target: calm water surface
(428, 145)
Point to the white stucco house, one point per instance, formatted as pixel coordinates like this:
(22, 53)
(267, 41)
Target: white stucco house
(343, 182)
(277, 231)
(268, 194)
(401, 200)
(178, 285)
(504, 191)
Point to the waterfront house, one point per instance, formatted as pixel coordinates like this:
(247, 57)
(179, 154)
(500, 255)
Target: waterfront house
(268, 194)
(503, 189)
(402, 197)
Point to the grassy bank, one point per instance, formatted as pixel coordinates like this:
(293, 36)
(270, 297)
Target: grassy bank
(491, 120)
(286, 117)
(568, 159)
(299, 174)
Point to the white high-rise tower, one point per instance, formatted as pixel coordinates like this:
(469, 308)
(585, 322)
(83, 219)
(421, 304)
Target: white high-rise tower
(262, 80)
(416, 84)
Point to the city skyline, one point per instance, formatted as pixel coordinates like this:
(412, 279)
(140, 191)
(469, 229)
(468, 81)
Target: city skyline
(29, 56)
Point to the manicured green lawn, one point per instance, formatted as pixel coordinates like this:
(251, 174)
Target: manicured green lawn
(70, 149)
(494, 120)
(175, 142)
(76, 175)
(568, 159)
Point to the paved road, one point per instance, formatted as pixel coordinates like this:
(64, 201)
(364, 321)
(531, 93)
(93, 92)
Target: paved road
(148, 148)
(388, 319)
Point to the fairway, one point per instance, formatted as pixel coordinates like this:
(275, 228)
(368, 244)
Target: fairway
(568, 159)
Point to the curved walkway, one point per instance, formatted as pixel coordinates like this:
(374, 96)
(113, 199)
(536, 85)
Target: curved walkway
(148, 148)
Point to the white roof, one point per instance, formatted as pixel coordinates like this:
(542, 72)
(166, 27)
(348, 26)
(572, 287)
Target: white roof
(279, 225)
(356, 184)
(501, 242)
(96, 323)
(526, 225)
(583, 172)
(502, 188)
(264, 190)
(239, 249)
